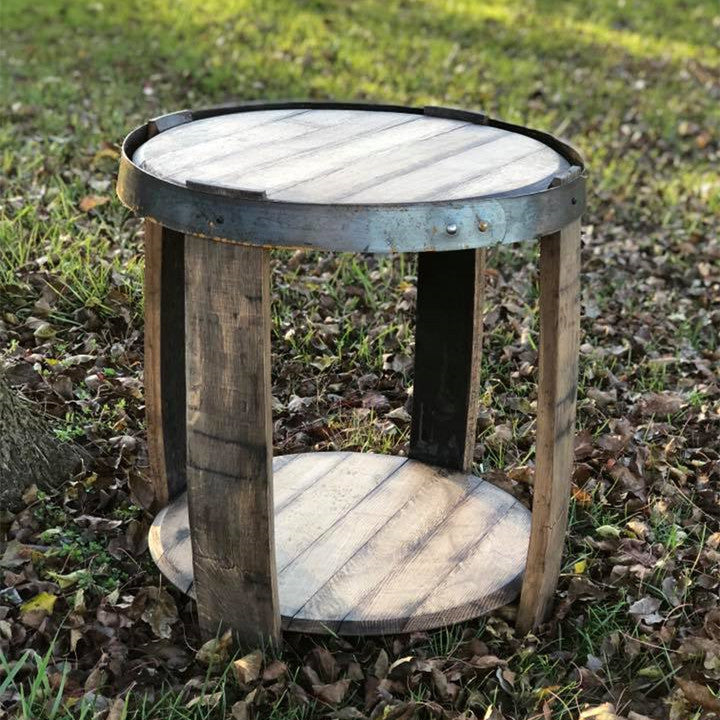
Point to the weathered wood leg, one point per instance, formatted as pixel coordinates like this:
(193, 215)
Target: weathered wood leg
(448, 351)
(165, 360)
(557, 390)
(229, 469)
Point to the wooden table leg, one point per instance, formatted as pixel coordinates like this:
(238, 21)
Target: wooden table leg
(229, 471)
(165, 360)
(448, 351)
(557, 390)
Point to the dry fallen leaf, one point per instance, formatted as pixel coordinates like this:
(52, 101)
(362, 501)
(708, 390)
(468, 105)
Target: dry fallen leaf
(216, 650)
(347, 713)
(699, 694)
(501, 435)
(645, 610)
(332, 693)
(118, 709)
(376, 401)
(486, 662)
(274, 671)
(239, 710)
(107, 152)
(16, 554)
(400, 668)
(247, 668)
(712, 624)
(323, 663)
(600, 397)
(400, 414)
(441, 684)
(68, 580)
(606, 711)
(30, 495)
(382, 664)
(608, 531)
(209, 700)
(43, 602)
(160, 612)
(581, 496)
(89, 202)
(665, 403)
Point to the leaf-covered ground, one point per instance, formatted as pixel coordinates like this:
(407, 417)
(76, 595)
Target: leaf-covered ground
(86, 625)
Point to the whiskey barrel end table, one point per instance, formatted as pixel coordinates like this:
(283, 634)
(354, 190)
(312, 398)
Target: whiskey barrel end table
(353, 543)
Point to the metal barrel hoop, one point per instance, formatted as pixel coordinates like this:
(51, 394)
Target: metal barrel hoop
(247, 216)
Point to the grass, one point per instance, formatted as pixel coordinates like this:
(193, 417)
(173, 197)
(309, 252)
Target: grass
(41, 696)
(78, 75)
(631, 84)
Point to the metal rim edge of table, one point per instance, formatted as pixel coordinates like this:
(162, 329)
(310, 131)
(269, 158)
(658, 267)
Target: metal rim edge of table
(223, 214)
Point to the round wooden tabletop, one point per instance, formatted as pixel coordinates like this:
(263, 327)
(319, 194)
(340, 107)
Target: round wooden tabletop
(376, 544)
(355, 156)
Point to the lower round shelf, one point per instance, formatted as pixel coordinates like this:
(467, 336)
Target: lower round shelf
(376, 544)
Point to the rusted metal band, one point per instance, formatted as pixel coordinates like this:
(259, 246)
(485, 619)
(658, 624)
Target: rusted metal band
(248, 217)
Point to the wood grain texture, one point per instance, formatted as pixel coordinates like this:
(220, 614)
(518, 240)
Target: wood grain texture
(350, 156)
(164, 373)
(448, 352)
(376, 544)
(229, 440)
(557, 391)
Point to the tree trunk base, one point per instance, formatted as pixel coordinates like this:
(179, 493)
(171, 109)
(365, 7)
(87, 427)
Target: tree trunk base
(29, 452)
